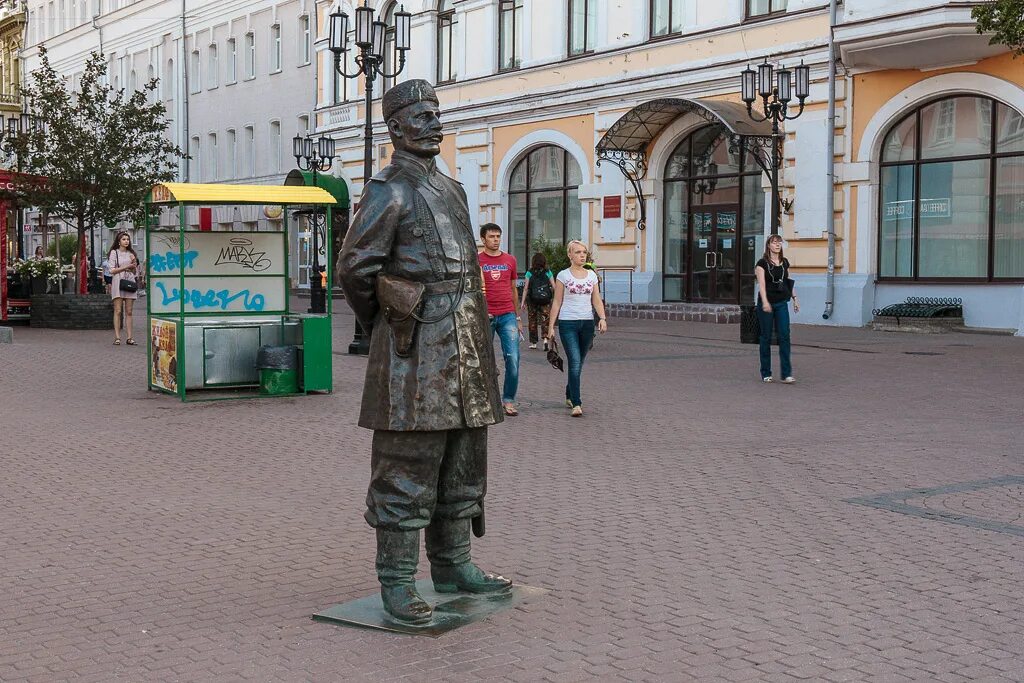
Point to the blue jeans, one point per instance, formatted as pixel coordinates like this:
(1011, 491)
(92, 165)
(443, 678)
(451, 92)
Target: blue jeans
(576, 336)
(779, 320)
(507, 328)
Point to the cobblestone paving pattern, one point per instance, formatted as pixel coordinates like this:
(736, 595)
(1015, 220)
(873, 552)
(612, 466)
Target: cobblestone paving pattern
(695, 525)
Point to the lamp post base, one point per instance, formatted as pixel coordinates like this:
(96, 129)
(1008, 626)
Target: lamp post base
(317, 300)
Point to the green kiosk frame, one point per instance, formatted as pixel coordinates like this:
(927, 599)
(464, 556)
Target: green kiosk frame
(215, 298)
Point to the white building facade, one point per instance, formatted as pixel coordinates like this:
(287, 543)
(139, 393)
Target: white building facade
(237, 79)
(928, 181)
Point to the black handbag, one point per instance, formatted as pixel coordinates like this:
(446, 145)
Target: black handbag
(125, 285)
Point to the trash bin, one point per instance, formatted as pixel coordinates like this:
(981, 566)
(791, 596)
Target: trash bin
(278, 368)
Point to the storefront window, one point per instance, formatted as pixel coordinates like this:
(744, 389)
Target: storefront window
(941, 166)
(544, 200)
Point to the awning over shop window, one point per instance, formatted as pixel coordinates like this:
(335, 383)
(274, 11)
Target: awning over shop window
(625, 143)
(335, 186)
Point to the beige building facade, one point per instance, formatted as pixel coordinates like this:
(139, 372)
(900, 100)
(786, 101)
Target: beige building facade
(928, 166)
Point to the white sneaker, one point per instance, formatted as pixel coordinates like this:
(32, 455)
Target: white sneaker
(767, 380)
(533, 346)
(789, 380)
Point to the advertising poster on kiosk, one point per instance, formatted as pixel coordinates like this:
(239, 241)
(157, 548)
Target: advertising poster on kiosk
(164, 340)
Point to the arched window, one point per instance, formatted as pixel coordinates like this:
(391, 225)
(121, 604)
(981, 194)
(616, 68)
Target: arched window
(169, 80)
(543, 197)
(952, 193)
(714, 211)
(447, 71)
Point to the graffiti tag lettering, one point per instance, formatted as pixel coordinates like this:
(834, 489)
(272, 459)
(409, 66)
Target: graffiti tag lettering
(171, 261)
(221, 299)
(241, 252)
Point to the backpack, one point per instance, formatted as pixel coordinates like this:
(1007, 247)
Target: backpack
(539, 291)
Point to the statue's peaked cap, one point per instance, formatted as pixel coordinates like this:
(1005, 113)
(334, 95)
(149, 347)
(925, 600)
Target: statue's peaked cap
(405, 94)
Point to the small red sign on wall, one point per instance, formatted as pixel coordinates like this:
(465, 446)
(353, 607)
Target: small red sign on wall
(205, 218)
(613, 207)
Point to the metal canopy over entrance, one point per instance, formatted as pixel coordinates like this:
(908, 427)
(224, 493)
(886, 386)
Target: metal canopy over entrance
(625, 144)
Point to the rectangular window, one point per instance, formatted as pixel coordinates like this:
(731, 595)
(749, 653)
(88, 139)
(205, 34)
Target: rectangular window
(195, 84)
(760, 8)
(275, 48)
(1009, 218)
(232, 74)
(195, 167)
(510, 34)
(339, 84)
(232, 169)
(250, 55)
(211, 157)
(953, 219)
(250, 151)
(212, 65)
(304, 38)
(897, 239)
(446, 69)
(275, 146)
(582, 26)
(666, 18)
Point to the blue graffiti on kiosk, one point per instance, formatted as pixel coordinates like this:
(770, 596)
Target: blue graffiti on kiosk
(171, 261)
(211, 298)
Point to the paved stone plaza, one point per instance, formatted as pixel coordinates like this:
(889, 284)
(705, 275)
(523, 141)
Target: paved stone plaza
(696, 525)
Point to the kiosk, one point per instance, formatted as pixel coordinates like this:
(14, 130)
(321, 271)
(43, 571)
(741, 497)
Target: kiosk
(219, 320)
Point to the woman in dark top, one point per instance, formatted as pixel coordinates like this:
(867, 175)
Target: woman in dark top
(775, 291)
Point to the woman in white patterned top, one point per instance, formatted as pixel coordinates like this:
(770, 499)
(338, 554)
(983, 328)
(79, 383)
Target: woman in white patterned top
(577, 295)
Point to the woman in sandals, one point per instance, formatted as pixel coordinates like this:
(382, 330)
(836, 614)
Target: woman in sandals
(124, 266)
(577, 295)
(775, 291)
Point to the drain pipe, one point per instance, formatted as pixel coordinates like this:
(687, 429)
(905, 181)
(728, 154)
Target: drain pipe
(830, 199)
(186, 142)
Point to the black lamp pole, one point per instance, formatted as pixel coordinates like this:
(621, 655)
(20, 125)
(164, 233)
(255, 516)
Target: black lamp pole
(317, 157)
(776, 91)
(17, 125)
(370, 38)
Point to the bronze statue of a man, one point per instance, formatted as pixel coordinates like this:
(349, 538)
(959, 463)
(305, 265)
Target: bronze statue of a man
(409, 268)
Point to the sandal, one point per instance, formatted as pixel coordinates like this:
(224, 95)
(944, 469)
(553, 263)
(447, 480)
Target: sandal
(510, 410)
(130, 342)
(117, 342)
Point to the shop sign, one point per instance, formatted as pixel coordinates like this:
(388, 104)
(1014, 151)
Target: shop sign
(904, 209)
(613, 206)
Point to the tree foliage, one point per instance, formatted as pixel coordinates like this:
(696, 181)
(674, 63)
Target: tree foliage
(94, 152)
(1005, 20)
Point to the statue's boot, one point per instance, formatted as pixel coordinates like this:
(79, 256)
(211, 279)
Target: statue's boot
(397, 555)
(450, 568)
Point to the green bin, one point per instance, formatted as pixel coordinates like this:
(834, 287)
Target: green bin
(278, 368)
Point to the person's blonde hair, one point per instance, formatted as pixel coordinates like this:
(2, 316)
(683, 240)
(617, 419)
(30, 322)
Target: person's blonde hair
(568, 246)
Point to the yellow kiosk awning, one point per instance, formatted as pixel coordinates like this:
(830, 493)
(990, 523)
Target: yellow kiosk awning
(198, 193)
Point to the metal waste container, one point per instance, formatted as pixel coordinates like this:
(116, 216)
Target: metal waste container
(278, 368)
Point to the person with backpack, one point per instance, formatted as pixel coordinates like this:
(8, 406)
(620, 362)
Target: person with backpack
(538, 294)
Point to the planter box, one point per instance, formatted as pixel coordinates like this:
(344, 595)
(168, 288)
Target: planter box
(73, 312)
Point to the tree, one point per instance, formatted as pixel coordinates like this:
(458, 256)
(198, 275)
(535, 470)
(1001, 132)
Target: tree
(92, 154)
(1005, 20)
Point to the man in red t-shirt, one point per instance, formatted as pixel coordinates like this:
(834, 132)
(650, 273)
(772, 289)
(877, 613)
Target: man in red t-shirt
(499, 273)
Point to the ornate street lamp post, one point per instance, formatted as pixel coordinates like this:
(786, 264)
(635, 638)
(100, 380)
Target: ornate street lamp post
(15, 126)
(370, 38)
(316, 157)
(776, 90)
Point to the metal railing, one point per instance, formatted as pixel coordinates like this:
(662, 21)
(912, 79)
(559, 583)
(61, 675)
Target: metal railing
(615, 269)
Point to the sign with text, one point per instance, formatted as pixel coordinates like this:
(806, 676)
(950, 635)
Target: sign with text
(613, 206)
(904, 209)
(164, 355)
(217, 253)
(218, 294)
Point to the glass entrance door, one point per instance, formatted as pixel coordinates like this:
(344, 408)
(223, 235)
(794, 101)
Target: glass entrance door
(714, 254)
(303, 253)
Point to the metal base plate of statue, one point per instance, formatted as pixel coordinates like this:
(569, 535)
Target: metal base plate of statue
(451, 610)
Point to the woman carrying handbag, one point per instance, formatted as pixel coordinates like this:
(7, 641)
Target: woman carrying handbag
(124, 285)
(775, 289)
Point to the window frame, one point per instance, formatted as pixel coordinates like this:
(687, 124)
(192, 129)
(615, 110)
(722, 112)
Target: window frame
(517, 59)
(213, 65)
(670, 33)
(195, 65)
(276, 50)
(564, 188)
(446, 22)
(305, 41)
(992, 156)
(250, 55)
(232, 140)
(772, 12)
(588, 45)
(232, 74)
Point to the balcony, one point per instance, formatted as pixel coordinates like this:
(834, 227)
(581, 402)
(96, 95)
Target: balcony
(10, 99)
(901, 35)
